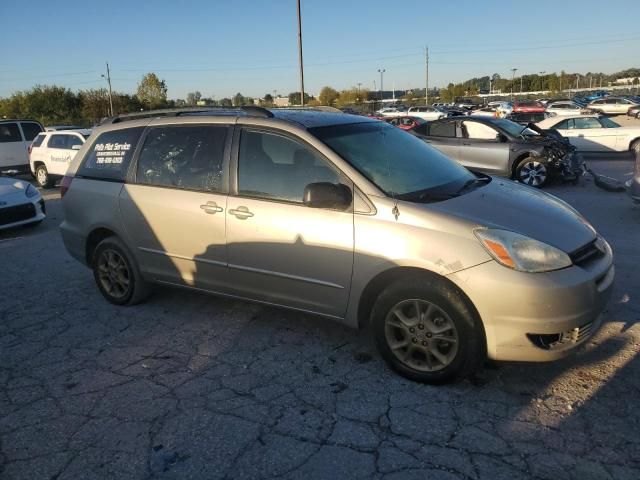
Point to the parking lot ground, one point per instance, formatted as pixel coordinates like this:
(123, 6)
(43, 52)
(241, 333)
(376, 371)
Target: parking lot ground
(193, 386)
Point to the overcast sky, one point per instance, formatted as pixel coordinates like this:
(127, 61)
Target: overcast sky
(221, 47)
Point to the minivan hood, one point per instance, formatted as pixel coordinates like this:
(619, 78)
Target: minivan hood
(507, 205)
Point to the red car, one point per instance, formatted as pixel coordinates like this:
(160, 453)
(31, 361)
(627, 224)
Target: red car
(527, 106)
(406, 123)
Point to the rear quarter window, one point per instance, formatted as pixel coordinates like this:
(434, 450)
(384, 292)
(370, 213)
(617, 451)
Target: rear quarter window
(38, 140)
(110, 154)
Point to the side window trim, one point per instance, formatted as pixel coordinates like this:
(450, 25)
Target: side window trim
(235, 162)
(131, 176)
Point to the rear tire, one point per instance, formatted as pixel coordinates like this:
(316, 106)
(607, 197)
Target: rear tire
(425, 331)
(532, 171)
(117, 274)
(43, 179)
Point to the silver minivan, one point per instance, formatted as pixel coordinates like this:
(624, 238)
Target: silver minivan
(341, 216)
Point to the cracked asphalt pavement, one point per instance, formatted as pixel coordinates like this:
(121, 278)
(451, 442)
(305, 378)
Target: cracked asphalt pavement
(193, 386)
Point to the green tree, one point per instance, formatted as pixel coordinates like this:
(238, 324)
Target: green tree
(47, 104)
(328, 96)
(193, 98)
(225, 102)
(238, 100)
(95, 104)
(268, 99)
(152, 92)
(294, 98)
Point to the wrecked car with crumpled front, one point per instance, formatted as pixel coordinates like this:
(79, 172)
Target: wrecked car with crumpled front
(497, 146)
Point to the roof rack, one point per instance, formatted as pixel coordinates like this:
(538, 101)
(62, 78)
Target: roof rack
(250, 110)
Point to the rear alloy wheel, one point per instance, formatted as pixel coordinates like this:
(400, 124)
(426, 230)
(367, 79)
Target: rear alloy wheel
(116, 273)
(532, 172)
(42, 177)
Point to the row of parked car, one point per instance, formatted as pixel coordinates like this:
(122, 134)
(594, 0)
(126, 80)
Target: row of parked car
(26, 147)
(522, 111)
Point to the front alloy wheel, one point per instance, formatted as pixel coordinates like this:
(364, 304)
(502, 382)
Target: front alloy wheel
(421, 335)
(532, 172)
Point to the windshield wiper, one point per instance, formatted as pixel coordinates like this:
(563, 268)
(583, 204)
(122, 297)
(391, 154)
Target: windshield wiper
(469, 183)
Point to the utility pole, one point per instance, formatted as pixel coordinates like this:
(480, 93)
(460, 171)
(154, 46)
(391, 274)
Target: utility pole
(577, 81)
(521, 77)
(513, 76)
(426, 76)
(542, 80)
(108, 77)
(300, 56)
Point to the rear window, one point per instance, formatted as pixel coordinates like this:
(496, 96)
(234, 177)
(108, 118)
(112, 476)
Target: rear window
(57, 141)
(9, 132)
(30, 130)
(38, 140)
(110, 154)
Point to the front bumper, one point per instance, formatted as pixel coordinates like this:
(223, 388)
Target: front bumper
(538, 317)
(570, 167)
(23, 214)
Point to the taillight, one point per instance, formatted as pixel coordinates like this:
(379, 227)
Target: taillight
(65, 184)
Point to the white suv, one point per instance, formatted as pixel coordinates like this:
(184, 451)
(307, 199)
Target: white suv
(15, 136)
(51, 153)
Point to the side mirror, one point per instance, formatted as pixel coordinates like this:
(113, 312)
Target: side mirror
(501, 138)
(327, 195)
(76, 147)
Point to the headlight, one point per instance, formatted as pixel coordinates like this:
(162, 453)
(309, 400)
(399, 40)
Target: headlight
(31, 191)
(522, 253)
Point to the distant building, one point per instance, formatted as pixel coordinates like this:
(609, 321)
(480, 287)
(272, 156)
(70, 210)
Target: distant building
(625, 81)
(281, 101)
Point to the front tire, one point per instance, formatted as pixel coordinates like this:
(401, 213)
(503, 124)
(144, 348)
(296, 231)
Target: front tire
(117, 275)
(43, 178)
(532, 171)
(426, 332)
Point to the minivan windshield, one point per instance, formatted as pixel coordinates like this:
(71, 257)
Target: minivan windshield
(399, 163)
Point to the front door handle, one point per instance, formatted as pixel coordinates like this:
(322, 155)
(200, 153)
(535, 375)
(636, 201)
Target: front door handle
(241, 212)
(211, 208)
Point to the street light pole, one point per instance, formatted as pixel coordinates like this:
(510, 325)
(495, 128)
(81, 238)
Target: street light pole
(542, 80)
(513, 76)
(381, 72)
(300, 56)
(108, 77)
(426, 77)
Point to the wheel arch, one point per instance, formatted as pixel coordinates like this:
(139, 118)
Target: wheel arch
(385, 278)
(93, 240)
(521, 156)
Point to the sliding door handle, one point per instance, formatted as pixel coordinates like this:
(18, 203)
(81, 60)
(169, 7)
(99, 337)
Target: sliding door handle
(241, 212)
(211, 208)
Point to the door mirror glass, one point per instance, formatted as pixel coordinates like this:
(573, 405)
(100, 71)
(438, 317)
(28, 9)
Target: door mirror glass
(327, 195)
